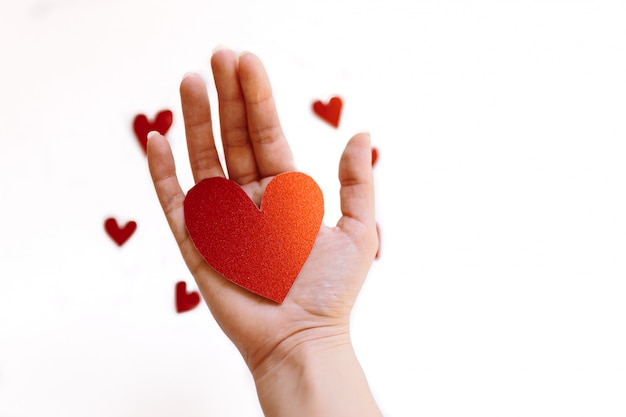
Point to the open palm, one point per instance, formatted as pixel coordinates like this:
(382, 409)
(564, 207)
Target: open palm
(256, 150)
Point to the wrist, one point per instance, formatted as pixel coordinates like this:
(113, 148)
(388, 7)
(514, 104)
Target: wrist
(298, 350)
(314, 374)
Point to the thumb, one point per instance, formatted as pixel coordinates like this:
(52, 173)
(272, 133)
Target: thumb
(357, 184)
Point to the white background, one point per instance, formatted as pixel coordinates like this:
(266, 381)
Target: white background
(501, 188)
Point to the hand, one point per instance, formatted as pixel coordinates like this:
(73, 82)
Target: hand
(315, 315)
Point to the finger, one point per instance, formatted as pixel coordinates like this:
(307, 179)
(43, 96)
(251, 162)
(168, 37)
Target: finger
(171, 196)
(203, 156)
(357, 184)
(163, 173)
(271, 149)
(238, 152)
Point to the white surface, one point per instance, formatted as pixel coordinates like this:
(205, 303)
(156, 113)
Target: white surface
(501, 199)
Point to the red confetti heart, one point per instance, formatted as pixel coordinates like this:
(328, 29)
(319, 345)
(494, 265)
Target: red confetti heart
(378, 234)
(330, 112)
(374, 156)
(261, 250)
(119, 235)
(142, 126)
(185, 301)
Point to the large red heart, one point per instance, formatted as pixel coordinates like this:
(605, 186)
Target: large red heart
(261, 250)
(142, 126)
(330, 112)
(119, 234)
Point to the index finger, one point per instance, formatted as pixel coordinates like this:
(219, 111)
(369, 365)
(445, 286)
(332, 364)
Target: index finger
(271, 149)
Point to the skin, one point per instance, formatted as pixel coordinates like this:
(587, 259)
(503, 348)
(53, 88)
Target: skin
(299, 352)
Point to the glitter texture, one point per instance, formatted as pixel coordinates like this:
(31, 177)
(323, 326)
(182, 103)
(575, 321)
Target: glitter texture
(261, 250)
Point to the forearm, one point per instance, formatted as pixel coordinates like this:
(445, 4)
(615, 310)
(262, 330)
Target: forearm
(320, 379)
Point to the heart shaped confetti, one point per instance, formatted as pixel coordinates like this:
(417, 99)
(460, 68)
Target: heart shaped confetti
(261, 250)
(330, 112)
(119, 234)
(185, 301)
(374, 156)
(142, 126)
(378, 234)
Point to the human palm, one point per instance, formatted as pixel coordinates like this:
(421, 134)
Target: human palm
(255, 150)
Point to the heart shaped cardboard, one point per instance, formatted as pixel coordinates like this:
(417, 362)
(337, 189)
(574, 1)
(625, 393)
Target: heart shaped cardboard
(374, 156)
(185, 301)
(142, 126)
(261, 250)
(330, 112)
(119, 234)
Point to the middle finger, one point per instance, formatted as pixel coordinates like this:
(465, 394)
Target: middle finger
(238, 151)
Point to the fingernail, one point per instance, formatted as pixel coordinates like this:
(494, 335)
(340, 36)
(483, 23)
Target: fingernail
(153, 134)
(191, 74)
(219, 47)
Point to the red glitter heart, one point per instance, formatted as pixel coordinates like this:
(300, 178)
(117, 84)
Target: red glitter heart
(261, 250)
(142, 126)
(119, 235)
(330, 112)
(185, 301)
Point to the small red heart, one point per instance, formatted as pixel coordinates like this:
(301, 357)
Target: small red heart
(261, 250)
(378, 234)
(374, 156)
(142, 126)
(185, 301)
(330, 112)
(119, 235)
